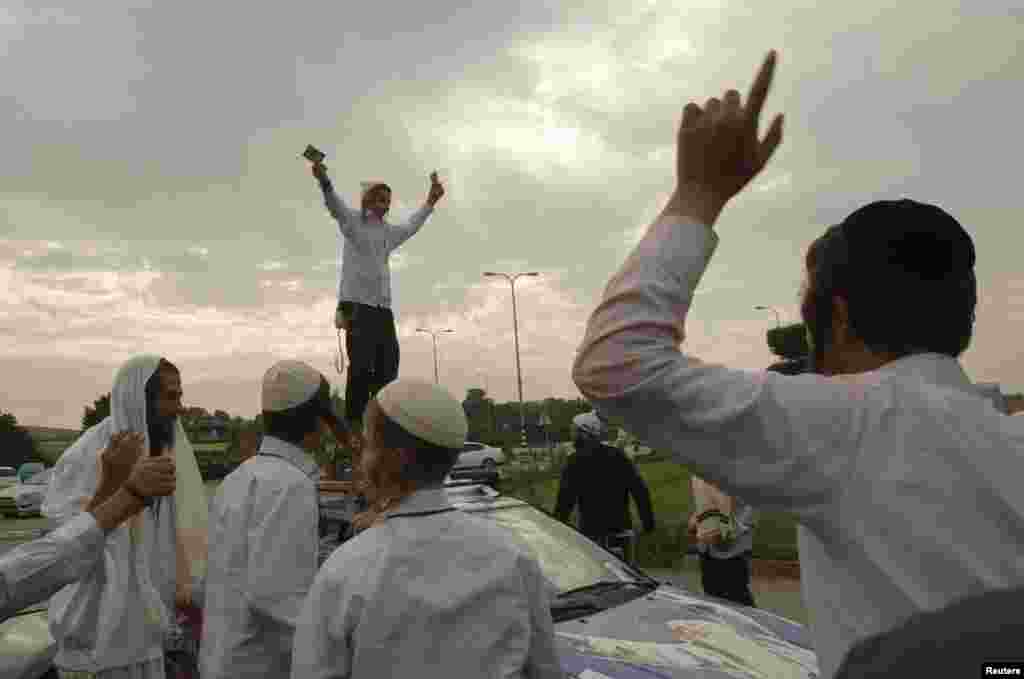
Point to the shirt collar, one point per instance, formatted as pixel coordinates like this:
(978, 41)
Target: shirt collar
(422, 501)
(292, 453)
(938, 369)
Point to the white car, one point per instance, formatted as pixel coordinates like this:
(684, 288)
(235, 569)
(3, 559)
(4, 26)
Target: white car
(479, 455)
(8, 476)
(29, 495)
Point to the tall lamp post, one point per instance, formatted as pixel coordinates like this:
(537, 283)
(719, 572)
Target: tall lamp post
(511, 278)
(778, 318)
(433, 334)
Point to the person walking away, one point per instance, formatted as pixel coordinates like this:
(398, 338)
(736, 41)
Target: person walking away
(600, 479)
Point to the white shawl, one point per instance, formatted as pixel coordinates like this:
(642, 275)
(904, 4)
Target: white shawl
(88, 612)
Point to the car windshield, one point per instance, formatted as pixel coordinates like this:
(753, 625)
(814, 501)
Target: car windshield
(568, 560)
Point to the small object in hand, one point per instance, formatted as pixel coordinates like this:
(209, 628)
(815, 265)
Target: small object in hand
(716, 523)
(313, 154)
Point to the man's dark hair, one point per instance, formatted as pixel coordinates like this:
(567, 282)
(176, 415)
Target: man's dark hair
(371, 192)
(906, 271)
(161, 433)
(293, 424)
(431, 462)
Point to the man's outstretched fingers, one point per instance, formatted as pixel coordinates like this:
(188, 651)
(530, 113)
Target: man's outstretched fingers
(731, 102)
(771, 141)
(691, 114)
(759, 89)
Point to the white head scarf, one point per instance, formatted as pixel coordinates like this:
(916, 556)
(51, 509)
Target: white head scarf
(77, 477)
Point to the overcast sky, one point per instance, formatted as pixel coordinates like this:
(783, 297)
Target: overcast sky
(154, 201)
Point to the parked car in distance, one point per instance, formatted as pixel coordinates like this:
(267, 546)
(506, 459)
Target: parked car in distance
(29, 495)
(479, 455)
(8, 476)
(28, 470)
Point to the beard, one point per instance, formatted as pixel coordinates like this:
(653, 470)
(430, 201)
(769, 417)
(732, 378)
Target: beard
(816, 311)
(162, 433)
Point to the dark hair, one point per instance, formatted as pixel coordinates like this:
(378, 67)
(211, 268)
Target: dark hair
(431, 462)
(369, 192)
(906, 272)
(159, 436)
(293, 424)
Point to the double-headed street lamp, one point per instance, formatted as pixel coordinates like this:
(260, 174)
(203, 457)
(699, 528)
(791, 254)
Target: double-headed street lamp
(434, 334)
(511, 278)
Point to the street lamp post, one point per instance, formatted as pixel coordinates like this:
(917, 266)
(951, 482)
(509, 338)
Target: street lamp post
(778, 318)
(511, 278)
(433, 334)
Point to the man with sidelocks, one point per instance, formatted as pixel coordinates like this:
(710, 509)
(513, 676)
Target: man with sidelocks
(119, 619)
(904, 480)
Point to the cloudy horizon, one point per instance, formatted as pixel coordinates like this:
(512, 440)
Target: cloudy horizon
(155, 200)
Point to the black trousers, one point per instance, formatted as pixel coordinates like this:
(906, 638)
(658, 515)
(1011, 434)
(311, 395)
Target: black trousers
(727, 578)
(372, 347)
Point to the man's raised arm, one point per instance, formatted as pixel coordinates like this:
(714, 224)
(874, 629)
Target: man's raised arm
(419, 218)
(35, 571)
(341, 212)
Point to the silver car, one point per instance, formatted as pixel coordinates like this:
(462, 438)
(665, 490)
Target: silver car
(479, 455)
(29, 495)
(612, 621)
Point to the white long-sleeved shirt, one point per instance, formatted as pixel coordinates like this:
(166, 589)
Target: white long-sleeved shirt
(262, 561)
(431, 592)
(33, 572)
(905, 482)
(364, 247)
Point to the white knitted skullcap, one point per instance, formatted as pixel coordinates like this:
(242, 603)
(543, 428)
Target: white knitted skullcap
(425, 410)
(289, 384)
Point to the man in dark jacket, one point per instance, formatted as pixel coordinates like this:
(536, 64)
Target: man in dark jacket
(600, 479)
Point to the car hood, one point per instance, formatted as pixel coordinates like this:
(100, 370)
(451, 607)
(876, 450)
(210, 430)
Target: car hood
(668, 633)
(672, 633)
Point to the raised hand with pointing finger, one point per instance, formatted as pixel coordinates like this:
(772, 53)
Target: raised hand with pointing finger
(718, 150)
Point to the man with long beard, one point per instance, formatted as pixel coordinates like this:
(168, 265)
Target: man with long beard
(424, 590)
(115, 621)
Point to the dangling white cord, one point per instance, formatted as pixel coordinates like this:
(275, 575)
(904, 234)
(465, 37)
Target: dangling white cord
(339, 361)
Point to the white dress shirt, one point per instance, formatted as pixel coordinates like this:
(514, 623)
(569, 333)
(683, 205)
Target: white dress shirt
(262, 561)
(33, 572)
(431, 592)
(905, 482)
(364, 248)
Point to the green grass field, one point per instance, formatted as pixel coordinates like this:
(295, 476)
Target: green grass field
(669, 483)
